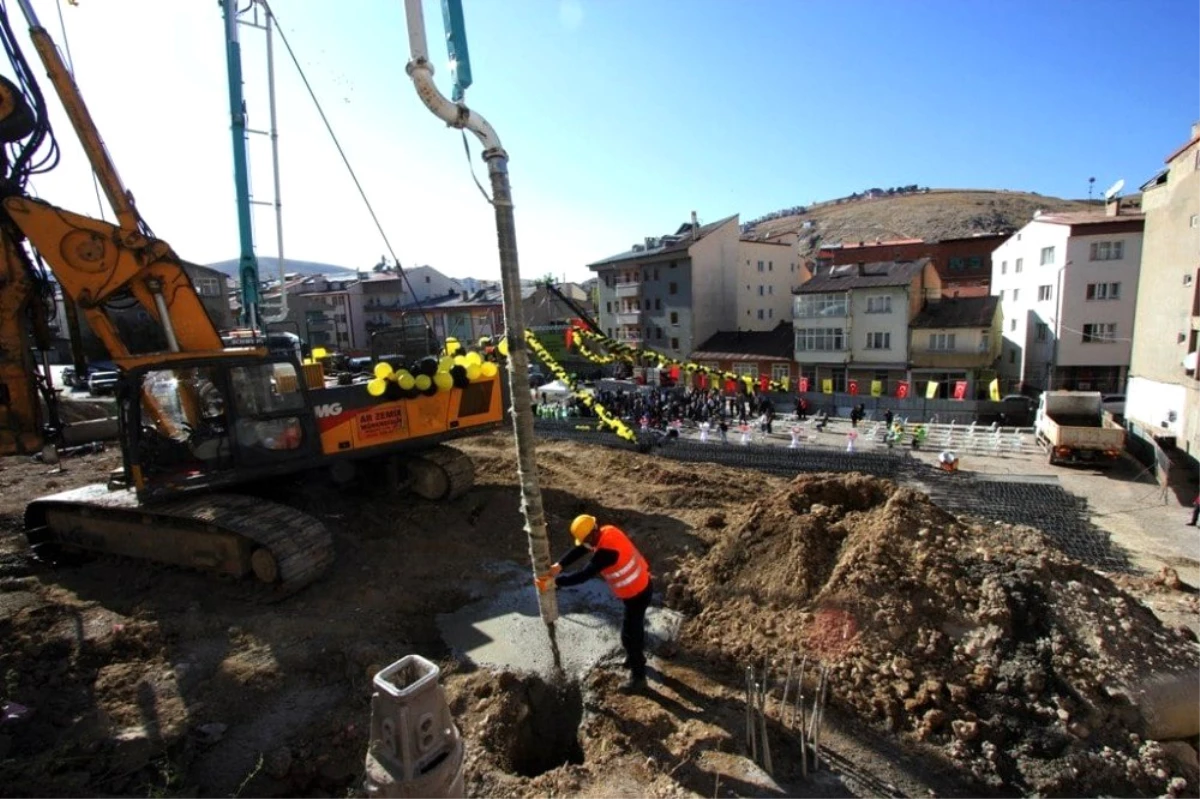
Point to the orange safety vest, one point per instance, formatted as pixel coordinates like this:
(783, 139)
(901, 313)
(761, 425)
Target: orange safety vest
(630, 575)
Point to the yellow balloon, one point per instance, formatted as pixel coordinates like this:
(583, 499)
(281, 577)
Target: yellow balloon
(445, 364)
(319, 352)
(473, 358)
(443, 381)
(489, 370)
(423, 382)
(473, 372)
(502, 347)
(405, 379)
(459, 360)
(383, 370)
(376, 387)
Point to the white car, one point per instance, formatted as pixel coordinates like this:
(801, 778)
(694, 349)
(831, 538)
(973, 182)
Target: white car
(102, 382)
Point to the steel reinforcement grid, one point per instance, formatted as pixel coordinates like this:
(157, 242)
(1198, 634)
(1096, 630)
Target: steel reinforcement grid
(1059, 514)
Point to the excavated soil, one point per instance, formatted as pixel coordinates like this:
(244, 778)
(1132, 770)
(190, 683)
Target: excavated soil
(964, 658)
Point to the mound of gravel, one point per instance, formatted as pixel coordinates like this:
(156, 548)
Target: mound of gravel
(1022, 663)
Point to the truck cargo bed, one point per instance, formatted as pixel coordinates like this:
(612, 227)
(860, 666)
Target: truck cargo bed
(1075, 420)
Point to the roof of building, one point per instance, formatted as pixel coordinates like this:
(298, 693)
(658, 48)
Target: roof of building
(842, 245)
(958, 312)
(1181, 150)
(778, 343)
(1081, 218)
(679, 242)
(863, 276)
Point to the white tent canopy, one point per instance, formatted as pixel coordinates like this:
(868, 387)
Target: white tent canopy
(554, 390)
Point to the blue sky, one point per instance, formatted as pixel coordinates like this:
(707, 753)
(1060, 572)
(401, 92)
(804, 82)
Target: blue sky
(621, 116)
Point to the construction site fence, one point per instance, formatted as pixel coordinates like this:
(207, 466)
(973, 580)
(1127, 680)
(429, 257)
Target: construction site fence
(914, 409)
(1144, 446)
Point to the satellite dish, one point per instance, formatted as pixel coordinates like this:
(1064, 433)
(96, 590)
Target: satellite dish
(1113, 189)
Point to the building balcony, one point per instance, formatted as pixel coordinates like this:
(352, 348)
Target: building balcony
(629, 318)
(629, 336)
(316, 323)
(627, 290)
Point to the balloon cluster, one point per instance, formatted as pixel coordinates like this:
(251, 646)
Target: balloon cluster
(430, 375)
(595, 357)
(616, 349)
(613, 423)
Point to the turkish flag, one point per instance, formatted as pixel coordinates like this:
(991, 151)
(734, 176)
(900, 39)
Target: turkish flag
(702, 380)
(803, 388)
(730, 386)
(764, 383)
(960, 389)
(852, 387)
(674, 372)
(570, 330)
(902, 390)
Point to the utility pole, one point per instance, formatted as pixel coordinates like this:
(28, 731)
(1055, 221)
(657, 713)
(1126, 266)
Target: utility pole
(457, 115)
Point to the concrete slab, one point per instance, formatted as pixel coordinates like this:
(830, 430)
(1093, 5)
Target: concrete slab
(505, 631)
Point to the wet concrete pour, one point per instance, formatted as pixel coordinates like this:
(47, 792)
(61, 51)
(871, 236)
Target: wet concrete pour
(504, 630)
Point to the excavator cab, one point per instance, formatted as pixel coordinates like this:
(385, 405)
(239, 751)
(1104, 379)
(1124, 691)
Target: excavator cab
(214, 421)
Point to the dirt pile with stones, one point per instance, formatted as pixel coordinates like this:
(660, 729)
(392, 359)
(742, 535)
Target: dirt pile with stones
(1017, 661)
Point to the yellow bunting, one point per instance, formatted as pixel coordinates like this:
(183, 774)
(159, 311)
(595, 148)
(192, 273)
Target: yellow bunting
(405, 379)
(502, 347)
(445, 364)
(473, 371)
(473, 358)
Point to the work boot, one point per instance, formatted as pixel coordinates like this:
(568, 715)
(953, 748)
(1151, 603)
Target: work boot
(635, 684)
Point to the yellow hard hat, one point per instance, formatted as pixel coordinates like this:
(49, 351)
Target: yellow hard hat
(582, 527)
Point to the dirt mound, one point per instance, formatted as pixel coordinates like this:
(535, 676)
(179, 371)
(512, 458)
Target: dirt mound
(981, 639)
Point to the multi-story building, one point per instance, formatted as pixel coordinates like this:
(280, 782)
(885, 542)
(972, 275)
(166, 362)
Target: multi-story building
(751, 353)
(956, 339)
(851, 322)
(330, 314)
(673, 292)
(963, 264)
(388, 297)
(1163, 393)
(1068, 284)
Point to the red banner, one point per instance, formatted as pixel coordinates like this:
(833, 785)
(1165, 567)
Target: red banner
(803, 385)
(570, 330)
(960, 389)
(702, 380)
(852, 387)
(902, 390)
(764, 383)
(674, 372)
(730, 386)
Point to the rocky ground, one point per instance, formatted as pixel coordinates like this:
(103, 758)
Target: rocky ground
(964, 657)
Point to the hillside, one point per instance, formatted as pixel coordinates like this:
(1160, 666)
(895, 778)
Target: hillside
(936, 214)
(268, 267)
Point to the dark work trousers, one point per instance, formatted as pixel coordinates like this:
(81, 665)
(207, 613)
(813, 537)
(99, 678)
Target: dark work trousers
(633, 631)
(1195, 515)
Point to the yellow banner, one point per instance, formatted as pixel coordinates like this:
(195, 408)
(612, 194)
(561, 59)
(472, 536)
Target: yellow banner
(876, 388)
(931, 389)
(827, 386)
(994, 389)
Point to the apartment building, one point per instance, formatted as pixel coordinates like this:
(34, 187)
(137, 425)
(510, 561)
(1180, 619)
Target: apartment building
(672, 292)
(964, 264)
(330, 314)
(852, 321)
(1068, 284)
(956, 339)
(1163, 394)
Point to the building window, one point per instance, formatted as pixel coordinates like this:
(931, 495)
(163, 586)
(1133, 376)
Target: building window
(1012, 356)
(879, 304)
(658, 333)
(674, 317)
(1017, 266)
(771, 290)
(427, 279)
(1001, 295)
(809, 305)
(941, 342)
(1004, 267)
(1016, 294)
(779, 371)
(1106, 251)
(656, 273)
(760, 313)
(956, 264)
(1104, 291)
(1099, 331)
(207, 286)
(1041, 332)
(658, 303)
(976, 262)
(672, 288)
(1195, 220)
(647, 306)
(760, 266)
(608, 307)
(761, 290)
(770, 313)
(1047, 256)
(879, 341)
(743, 369)
(820, 339)
(674, 343)
(1043, 293)
(1012, 325)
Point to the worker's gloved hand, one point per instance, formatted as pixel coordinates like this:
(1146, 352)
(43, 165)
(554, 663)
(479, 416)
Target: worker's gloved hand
(543, 582)
(555, 570)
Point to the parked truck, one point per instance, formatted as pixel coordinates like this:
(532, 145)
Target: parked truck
(1074, 428)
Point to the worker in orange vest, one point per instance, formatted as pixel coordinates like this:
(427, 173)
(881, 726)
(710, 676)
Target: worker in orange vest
(618, 561)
